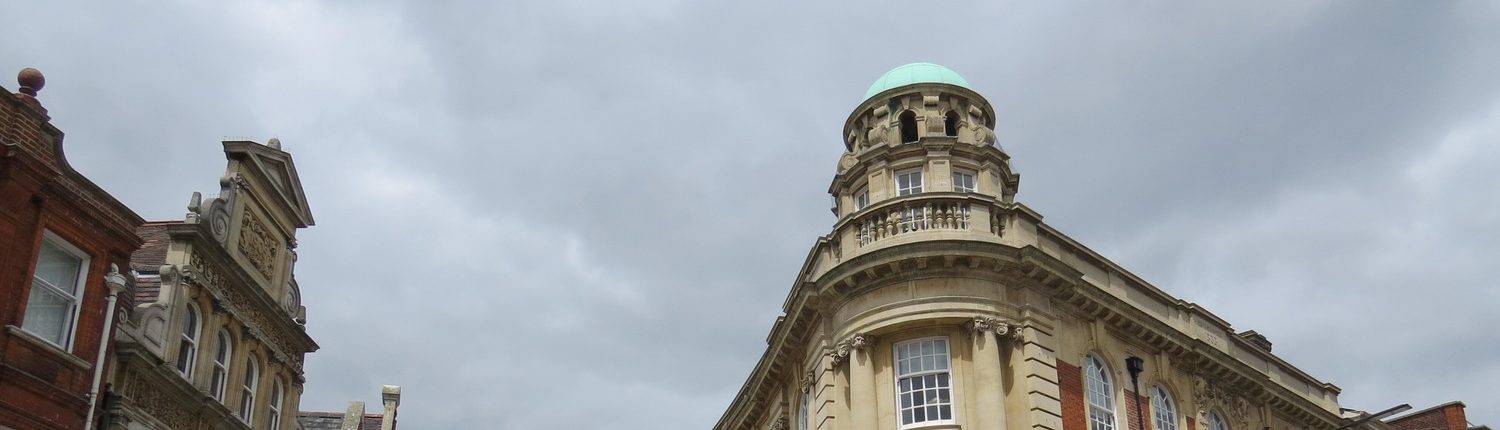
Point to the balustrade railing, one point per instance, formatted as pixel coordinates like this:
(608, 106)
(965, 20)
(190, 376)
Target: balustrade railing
(912, 216)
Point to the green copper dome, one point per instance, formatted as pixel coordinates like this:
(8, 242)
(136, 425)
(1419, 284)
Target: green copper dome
(915, 73)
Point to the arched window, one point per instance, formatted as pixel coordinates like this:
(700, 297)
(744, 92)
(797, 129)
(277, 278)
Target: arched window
(908, 127)
(220, 378)
(187, 351)
(950, 124)
(273, 418)
(1099, 394)
(1216, 422)
(924, 389)
(1163, 409)
(247, 393)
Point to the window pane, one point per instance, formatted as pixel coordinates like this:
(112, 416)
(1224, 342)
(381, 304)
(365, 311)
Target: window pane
(59, 268)
(49, 315)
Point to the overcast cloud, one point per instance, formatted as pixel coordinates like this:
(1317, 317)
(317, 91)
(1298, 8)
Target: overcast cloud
(580, 214)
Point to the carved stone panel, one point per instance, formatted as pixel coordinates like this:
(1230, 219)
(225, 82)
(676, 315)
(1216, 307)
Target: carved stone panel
(258, 245)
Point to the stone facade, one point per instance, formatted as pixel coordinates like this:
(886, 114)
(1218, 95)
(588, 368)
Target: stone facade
(53, 337)
(216, 339)
(931, 260)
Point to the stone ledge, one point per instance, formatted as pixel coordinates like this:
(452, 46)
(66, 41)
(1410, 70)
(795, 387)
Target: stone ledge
(48, 346)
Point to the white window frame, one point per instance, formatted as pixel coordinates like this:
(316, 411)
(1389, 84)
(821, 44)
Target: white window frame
(972, 179)
(219, 381)
(273, 407)
(1163, 409)
(75, 300)
(862, 198)
(1099, 394)
(188, 342)
(909, 189)
(938, 374)
(247, 391)
(1216, 421)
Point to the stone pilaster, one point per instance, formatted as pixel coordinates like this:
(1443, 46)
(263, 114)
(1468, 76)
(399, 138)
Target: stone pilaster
(989, 401)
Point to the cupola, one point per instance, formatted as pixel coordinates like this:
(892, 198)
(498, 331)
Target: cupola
(920, 133)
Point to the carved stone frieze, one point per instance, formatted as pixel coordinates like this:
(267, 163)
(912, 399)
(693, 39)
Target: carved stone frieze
(237, 303)
(258, 245)
(148, 397)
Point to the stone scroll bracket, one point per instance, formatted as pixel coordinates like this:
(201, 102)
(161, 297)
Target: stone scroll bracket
(842, 349)
(1003, 329)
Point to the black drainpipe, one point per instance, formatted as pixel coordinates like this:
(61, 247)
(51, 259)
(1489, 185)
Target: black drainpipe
(1136, 365)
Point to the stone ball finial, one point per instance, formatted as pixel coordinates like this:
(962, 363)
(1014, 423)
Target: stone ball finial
(274, 143)
(31, 81)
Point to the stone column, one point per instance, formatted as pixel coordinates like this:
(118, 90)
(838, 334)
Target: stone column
(862, 400)
(989, 399)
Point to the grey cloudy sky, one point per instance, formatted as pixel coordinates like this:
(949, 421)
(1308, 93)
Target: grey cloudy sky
(586, 214)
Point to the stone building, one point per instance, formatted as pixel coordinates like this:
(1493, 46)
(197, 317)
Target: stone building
(216, 338)
(355, 418)
(63, 242)
(938, 301)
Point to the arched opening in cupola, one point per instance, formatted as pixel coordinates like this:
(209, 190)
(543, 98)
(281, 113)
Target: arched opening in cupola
(908, 127)
(950, 124)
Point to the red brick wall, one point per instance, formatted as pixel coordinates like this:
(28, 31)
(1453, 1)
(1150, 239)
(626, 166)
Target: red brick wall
(43, 387)
(1192, 423)
(1131, 400)
(1449, 417)
(1070, 388)
(1456, 418)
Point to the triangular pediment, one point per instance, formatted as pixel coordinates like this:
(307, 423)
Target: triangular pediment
(276, 169)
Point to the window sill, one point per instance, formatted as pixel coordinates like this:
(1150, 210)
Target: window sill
(48, 346)
(933, 426)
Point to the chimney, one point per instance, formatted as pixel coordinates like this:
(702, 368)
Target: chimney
(390, 395)
(354, 415)
(1257, 339)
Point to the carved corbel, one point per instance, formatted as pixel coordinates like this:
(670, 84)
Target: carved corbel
(1002, 329)
(782, 423)
(846, 162)
(843, 349)
(808, 381)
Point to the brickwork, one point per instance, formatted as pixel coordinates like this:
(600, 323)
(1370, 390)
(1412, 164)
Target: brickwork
(1449, 416)
(1192, 424)
(1070, 388)
(1133, 421)
(45, 384)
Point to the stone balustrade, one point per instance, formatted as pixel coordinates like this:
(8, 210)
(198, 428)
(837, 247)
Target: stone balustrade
(938, 215)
